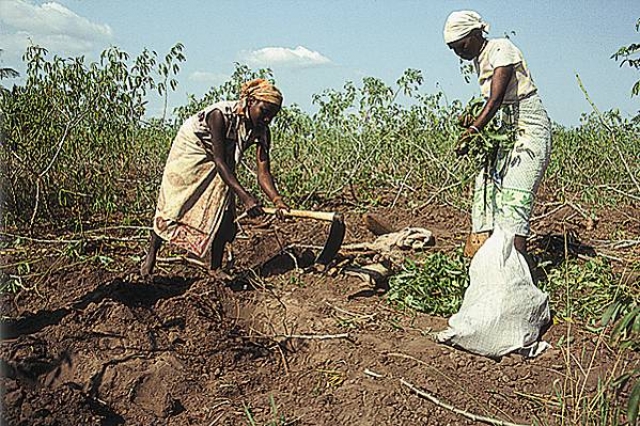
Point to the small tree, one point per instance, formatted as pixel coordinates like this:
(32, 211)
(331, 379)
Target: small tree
(630, 55)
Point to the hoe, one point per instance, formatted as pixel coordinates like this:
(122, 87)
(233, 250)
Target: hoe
(336, 230)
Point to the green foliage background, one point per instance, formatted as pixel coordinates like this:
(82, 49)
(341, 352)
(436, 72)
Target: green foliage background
(75, 144)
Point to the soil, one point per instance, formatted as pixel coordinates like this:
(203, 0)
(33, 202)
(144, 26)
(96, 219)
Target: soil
(279, 340)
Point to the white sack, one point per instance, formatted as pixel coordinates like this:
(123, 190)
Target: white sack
(502, 310)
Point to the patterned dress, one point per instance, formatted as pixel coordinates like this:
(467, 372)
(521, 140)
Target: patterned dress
(193, 198)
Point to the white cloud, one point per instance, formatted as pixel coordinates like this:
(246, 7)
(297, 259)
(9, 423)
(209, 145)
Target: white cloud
(208, 77)
(50, 25)
(283, 56)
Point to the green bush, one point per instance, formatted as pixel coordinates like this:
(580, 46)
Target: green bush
(69, 147)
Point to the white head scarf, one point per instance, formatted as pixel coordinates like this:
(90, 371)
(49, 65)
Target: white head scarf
(459, 24)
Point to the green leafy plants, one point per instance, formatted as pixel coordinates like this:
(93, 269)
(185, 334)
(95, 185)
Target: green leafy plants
(629, 55)
(590, 291)
(68, 131)
(624, 314)
(434, 286)
(229, 90)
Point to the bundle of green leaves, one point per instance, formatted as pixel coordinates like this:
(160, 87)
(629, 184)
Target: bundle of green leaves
(498, 134)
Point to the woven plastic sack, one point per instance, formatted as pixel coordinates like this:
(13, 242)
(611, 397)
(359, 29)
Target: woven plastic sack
(502, 310)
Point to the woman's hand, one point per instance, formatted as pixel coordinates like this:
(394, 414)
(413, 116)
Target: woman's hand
(252, 206)
(465, 141)
(281, 207)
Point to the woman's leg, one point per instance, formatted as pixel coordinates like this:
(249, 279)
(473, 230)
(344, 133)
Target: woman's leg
(520, 242)
(150, 260)
(217, 251)
(226, 234)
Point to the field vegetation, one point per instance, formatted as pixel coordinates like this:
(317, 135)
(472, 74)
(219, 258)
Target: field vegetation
(79, 157)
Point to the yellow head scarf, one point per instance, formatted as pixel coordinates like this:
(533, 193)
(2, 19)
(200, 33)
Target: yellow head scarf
(261, 90)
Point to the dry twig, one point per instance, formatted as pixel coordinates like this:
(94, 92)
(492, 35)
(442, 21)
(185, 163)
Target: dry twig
(453, 382)
(373, 374)
(402, 185)
(71, 241)
(311, 336)
(463, 413)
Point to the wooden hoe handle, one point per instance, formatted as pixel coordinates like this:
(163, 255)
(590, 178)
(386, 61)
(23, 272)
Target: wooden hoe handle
(308, 214)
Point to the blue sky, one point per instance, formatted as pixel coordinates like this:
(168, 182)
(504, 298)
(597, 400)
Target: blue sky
(314, 45)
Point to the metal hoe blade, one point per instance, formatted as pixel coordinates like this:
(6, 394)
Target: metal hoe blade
(334, 241)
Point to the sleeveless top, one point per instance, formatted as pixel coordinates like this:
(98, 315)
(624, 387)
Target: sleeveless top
(193, 197)
(237, 136)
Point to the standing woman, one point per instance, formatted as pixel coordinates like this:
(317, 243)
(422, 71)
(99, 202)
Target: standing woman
(508, 88)
(196, 204)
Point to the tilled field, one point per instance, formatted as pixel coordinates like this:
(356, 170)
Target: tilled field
(278, 342)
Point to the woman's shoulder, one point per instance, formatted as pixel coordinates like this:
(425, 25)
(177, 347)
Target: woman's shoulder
(500, 48)
(202, 117)
(226, 107)
(501, 42)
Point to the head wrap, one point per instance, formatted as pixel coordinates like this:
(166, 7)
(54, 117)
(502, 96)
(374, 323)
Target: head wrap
(261, 90)
(459, 24)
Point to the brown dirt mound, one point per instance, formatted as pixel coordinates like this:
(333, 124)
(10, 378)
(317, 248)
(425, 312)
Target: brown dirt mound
(281, 343)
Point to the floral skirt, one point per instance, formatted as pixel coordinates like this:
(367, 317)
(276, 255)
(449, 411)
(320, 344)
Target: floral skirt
(504, 196)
